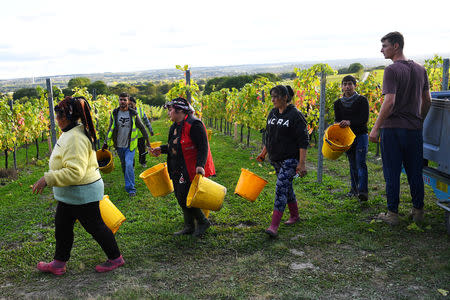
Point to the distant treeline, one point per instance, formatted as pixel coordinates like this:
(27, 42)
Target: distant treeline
(148, 92)
(154, 93)
(357, 68)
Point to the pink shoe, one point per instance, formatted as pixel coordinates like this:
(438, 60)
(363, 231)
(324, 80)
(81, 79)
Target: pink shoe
(56, 267)
(110, 265)
(293, 210)
(276, 219)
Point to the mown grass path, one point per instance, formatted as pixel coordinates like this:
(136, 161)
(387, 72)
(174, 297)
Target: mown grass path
(337, 251)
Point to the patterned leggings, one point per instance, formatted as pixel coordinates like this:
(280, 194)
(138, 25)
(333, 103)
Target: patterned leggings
(284, 192)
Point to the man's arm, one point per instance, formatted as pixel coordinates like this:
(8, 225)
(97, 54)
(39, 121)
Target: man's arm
(385, 111)
(141, 127)
(426, 103)
(301, 166)
(361, 115)
(147, 123)
(337, 112)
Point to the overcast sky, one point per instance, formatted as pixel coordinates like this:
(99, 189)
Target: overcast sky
(49, 37)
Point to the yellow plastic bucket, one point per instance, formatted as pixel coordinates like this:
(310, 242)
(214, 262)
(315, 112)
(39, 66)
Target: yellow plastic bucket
(155, 144)
(111, 215)
(249, 185)
(205, 194)
(338, 138)
(206, 212)
(157, 180)
(209, 132)
(336, 141)
(105, 161)
(328, 152)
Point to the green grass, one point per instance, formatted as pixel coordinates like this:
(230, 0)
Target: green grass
(348, 254)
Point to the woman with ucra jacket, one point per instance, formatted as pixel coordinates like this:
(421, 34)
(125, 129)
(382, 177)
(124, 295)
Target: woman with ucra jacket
(286, 142)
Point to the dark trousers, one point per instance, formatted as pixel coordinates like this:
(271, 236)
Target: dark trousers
(142, 149)
(402, 146)
(90, 218)
(357, 160)
(181, 186)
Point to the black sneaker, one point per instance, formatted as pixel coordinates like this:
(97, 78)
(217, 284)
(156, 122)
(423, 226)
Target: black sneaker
(132, 194)
(363, 197)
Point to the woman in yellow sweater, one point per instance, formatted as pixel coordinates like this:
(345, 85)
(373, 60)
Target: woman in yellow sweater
(77, 186)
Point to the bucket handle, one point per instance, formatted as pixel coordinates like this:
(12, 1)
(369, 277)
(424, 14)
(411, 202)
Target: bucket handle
(329, 143)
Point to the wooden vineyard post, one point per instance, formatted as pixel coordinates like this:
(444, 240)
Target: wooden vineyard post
(11, 103)
(323, 81)
(188, 84)
(51, 113)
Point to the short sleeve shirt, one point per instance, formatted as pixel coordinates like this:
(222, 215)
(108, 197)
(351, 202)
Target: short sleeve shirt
(124, 128)
(407, 80)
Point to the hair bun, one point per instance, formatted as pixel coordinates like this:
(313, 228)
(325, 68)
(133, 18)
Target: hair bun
(290, 90)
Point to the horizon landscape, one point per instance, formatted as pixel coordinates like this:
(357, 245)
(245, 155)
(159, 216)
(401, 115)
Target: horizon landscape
(197, 73)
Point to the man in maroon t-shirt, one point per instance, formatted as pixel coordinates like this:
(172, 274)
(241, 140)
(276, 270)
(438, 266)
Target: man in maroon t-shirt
(406, 102)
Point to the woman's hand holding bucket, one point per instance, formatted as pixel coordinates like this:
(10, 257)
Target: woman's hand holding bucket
(261, 156)
(301, 169)
(39, 186)
(155, 151)
(344, 123)
(200, 170)
(301, 166)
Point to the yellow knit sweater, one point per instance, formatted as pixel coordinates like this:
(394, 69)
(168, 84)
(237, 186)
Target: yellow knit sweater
(73, 161)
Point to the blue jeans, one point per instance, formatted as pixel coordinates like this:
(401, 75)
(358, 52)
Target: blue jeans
(284, 192)
(127, 161)
(357, 159)
(405, 146)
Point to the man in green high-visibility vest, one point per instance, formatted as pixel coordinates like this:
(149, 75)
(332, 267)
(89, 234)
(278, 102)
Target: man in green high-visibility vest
(141, 140)
(123, 134)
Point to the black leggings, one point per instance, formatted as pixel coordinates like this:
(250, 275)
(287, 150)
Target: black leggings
(142, 149)
(181, 190)
(181, 186)
(90, 218)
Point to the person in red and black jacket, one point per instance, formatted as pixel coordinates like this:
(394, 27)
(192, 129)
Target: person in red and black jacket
(188, 154)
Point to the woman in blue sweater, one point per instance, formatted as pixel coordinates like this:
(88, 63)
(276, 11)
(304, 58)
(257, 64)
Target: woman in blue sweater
(286, 142)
